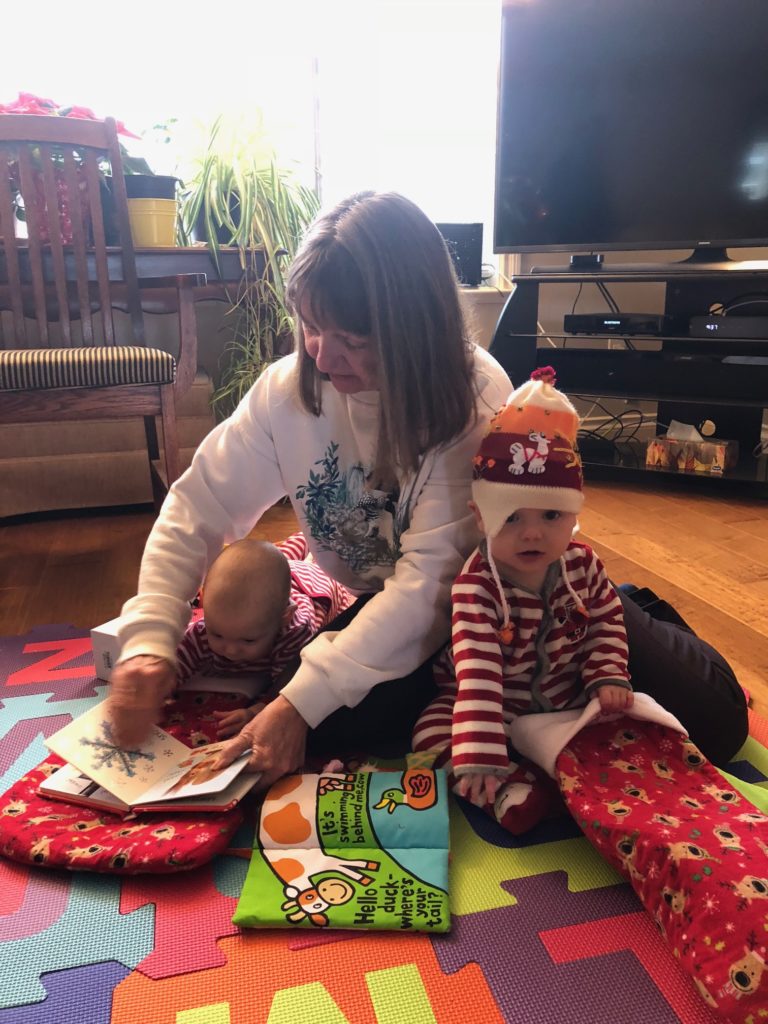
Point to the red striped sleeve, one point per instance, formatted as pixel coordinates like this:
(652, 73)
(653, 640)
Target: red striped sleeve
(193, 651)
(605, 648)
(295, 547)
(478, 738)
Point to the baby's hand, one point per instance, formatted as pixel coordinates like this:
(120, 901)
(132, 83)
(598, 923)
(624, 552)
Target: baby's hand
(614, 698)
(229, 723)
(478, 788)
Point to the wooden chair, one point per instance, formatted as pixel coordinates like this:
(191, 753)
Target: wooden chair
(60, 357)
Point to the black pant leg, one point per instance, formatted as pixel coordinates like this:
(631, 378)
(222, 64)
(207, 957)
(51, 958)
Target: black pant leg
(690, 679)
(382, 723)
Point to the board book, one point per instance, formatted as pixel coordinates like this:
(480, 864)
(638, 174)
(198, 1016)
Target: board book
(162, 774)
(351, 850)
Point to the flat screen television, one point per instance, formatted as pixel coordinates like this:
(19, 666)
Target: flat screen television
(632, 124)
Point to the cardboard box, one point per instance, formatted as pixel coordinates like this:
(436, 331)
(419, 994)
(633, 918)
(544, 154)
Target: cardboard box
(106, 648)
(106, 651)
(712, 456)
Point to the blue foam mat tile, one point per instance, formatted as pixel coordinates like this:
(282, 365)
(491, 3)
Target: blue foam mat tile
(90, 930)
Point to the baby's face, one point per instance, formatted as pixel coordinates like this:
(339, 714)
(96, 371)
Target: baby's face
(239, 637)
(529, 541)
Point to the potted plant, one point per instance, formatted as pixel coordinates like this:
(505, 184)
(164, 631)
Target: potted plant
(28, 103)
(238, 194)
(152, 198)
(153, 208)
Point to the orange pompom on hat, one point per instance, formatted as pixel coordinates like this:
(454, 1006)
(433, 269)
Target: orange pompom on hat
(529, 457)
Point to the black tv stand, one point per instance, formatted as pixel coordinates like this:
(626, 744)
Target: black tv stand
(703, 255)
(690, 378)
(702, 258)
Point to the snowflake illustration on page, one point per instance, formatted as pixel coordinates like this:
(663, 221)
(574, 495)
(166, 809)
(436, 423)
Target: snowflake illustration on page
(109, 755)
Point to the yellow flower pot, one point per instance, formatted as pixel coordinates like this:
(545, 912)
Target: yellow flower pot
(153, 222)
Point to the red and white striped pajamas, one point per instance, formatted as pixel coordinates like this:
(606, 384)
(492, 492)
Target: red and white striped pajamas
(315, 600)
(566, 642)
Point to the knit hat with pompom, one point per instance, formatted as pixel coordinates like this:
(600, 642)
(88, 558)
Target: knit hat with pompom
(529, 458)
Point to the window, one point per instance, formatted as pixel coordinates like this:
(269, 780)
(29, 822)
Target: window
(385, 94)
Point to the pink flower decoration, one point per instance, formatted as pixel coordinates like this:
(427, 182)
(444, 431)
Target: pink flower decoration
(28, 103)
(122, 130)
(84, 113)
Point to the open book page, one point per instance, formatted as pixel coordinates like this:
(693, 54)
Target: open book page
(69, 783)
(351, 850)
(161, 767)
(195, 775)
(225, 798)
(88, 743)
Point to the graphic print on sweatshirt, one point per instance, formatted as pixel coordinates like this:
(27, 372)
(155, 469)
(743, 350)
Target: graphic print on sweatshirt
(358, 524)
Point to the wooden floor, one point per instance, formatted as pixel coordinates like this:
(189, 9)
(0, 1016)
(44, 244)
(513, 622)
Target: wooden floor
(707, 555)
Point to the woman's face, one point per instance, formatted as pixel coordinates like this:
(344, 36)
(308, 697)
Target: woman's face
(348, 360)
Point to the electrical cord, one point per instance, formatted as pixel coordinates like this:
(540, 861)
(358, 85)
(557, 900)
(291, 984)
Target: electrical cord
(621, 449)
(543, 334)
(747, 299)
(612, 304)
(614, 308)
(617, 418)
(744, 300)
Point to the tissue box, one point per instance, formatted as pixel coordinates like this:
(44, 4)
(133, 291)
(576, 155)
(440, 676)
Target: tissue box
(712, 456)
(106, 648)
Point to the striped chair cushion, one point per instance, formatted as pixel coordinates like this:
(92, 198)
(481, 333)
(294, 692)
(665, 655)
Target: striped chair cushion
(98, 367)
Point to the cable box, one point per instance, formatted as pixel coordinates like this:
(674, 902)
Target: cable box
(618, 323)
(729, 327)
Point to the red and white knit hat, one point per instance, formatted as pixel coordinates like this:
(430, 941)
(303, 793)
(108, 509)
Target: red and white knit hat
(529, 458)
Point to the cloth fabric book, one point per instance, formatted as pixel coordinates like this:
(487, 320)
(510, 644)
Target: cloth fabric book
(162, 774)
(351, 850)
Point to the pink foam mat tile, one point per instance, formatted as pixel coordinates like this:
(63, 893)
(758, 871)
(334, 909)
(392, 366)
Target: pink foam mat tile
(37, 900)
(190, 906)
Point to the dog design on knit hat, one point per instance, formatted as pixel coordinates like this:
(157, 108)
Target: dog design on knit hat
(528, 459)
(534, 458)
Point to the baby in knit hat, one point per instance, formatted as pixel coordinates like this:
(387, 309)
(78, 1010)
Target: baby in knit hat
(536, 624)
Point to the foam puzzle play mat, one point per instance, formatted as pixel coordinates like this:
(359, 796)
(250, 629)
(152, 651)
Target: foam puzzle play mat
(542, 928)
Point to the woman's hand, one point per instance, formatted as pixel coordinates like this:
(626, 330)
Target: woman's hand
(138, 690)
(615, 698)
(276, 738)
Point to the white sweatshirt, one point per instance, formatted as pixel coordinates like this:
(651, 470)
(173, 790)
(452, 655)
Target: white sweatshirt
(407, 547)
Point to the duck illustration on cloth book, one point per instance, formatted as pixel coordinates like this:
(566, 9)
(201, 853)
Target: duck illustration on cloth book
(351, 850)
